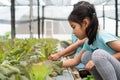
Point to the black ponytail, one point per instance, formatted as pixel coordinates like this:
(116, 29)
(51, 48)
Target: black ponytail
(91, 30)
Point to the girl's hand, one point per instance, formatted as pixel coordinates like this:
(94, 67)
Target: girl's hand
(54, 56)
(90, 65)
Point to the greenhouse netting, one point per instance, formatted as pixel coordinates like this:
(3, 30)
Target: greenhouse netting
(48, 18)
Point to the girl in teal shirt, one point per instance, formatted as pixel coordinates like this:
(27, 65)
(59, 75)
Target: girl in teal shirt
(101, 52)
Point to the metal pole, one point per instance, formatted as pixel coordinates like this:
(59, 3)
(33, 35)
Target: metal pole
(13, 19)
(38, 19)
(103, 17)
(43, 21)
(31, 18)
(116, 16)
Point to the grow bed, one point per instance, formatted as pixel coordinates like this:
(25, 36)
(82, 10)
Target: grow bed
(67, 75)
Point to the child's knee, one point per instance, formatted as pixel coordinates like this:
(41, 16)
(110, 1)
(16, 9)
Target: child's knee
(98, 55)
(86, 57)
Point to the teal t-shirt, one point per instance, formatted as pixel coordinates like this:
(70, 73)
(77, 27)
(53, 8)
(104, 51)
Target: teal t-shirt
(81, 65)
(102, 38)
(75, 39)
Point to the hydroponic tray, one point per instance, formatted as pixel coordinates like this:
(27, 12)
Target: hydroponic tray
(67, 75)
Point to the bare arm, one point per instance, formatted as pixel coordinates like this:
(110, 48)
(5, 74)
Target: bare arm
(67, 50)
(115, 45)
(72, 47)
(74, 61)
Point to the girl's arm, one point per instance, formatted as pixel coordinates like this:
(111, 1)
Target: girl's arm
(72, 47)
(115, 45)
(74, 61)
(67, 50)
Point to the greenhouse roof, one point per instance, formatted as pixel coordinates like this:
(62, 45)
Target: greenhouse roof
(57, 2)
(54, 9)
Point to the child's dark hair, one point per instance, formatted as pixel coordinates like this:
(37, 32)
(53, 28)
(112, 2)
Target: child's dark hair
(81, 11)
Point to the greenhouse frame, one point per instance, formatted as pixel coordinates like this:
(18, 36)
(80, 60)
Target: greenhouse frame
(32, 31)
(40, 17)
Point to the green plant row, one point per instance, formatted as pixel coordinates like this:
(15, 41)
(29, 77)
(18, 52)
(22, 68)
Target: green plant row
(17, 47)
(40, 71)
(29, 57)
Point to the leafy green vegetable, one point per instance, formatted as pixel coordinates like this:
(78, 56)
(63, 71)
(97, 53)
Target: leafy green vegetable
(19, 55)
(89, 77)
(39, 72)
